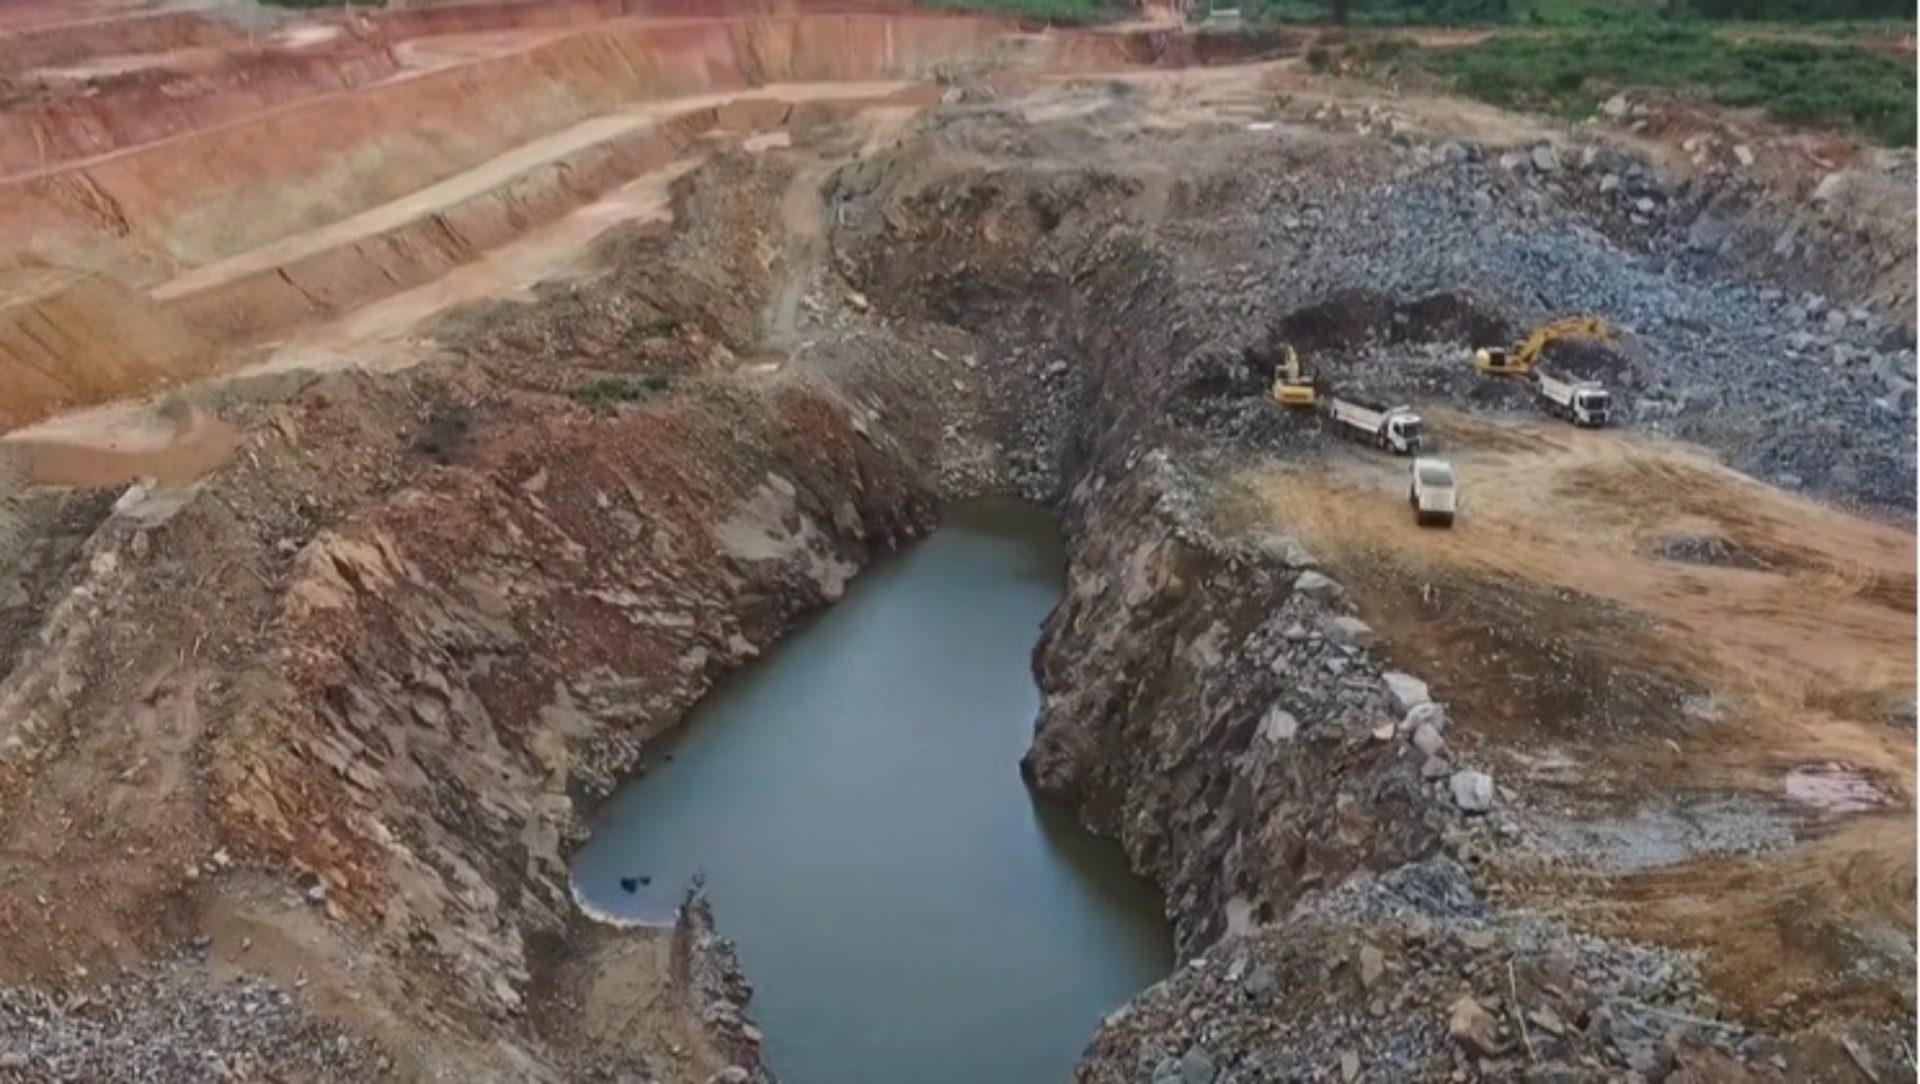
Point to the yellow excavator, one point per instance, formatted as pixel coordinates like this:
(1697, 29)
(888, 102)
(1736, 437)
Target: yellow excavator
(1522, 359)
(1291, 387)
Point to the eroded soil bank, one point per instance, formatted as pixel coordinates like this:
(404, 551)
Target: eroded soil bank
(427, 617)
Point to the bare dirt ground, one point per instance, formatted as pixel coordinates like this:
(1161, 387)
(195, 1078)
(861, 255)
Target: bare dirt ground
(1788, 647)
(420, 547)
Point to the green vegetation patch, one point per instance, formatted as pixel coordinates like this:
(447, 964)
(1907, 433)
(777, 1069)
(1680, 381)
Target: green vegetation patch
(608, 392)
(641, 330)
(1833, 85)
(1378, 12)
(1052, 11)
(1884, 16)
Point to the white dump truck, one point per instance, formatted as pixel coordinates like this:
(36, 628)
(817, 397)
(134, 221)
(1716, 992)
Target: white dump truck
(1395, 429)
(1583, 402)
(1432, 492)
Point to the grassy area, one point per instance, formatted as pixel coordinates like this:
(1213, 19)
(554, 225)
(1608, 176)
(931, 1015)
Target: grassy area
(1373, 13)
(1842, 16)
(1069, 12)
(1802, 11)
(1570, 72)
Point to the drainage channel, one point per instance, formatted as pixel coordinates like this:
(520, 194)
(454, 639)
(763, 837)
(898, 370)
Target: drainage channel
(904, 908)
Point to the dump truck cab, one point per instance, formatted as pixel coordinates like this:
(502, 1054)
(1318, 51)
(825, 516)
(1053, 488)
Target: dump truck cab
(1405, 434)
(1592, 407)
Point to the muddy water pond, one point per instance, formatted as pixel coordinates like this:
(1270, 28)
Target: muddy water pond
(904, 907)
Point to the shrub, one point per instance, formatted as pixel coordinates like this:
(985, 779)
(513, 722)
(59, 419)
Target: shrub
(608, 392)
(639, 331)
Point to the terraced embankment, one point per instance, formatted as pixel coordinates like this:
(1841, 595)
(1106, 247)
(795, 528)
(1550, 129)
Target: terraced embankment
(346, 160)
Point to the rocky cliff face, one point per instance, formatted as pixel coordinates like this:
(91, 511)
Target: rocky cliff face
(531, 619)
(422, 623)
(1215, 708)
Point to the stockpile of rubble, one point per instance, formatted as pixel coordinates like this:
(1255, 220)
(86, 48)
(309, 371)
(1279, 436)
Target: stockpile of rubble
(1798, 389)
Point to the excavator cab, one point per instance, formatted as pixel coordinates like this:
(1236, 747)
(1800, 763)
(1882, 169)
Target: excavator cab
(1496, 362)
(1290, 386)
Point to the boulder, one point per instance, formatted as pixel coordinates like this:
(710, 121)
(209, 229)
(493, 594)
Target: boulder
(1472, 791)
(1348, 631)
(1544, 159)
(1407, 691)
(1287, 551)
(1259, 982)
(1616, 106)
(1428, 740)
(1371, 964)
(1471, 1026)
(1829, 188)
(1708, 232)
(1314, 585)
(1427, 714)
(1197, 1067)
(1279, 725)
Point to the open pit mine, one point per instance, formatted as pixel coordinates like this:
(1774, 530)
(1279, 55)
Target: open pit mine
(718, 541)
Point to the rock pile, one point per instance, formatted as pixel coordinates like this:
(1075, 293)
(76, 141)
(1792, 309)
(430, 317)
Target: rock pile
(175, 1023)
(1789, 386)
(1410, 975)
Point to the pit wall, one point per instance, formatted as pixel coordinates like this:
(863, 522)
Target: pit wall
(149, 212)
(83, 39)
(469, 17)
(69, 339)
(1214, 708)
(326, 283)
(103, 114)
(472, 662)
(1212, 704)
(468, 661)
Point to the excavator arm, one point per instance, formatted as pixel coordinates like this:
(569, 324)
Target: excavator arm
(1522, 359)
